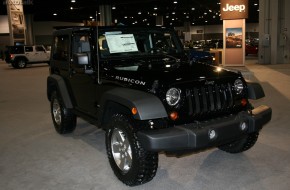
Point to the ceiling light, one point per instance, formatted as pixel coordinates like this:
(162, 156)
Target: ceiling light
(54, 14)
(91, 17)
(125, 17)
(256, 4)
(71, 8)
(192, 23)
(174, 2)
(73, 1)
(139, 13)
(192, 8)
(113, 7)
(173, 13)
(155, 8)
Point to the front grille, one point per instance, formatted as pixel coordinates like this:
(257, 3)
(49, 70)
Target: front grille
(210, 99)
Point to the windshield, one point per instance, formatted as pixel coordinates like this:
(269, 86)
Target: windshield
(133, 42)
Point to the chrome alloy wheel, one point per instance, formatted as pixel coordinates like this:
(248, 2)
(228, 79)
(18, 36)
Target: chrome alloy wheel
(21, 64)
(121, 150)
(56, 111)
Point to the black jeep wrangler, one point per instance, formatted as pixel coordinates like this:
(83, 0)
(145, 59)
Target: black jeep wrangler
(140, 87)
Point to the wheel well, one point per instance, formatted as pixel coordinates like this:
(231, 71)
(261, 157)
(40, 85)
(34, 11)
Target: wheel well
(112, 108)
(51, 86)
(21, 58)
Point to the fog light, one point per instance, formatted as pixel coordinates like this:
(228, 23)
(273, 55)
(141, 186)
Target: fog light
(243, 126)
(212, 134)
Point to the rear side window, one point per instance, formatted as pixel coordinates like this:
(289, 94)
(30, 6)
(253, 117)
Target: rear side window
(16, 49)
(39, 48)
(61, 48)
(28, 49)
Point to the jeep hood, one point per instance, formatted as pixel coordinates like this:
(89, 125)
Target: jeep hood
(168, 74)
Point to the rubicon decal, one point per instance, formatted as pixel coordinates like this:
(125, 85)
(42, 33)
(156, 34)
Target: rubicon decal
(132, 81)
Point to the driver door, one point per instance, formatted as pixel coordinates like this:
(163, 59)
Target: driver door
(83, 84)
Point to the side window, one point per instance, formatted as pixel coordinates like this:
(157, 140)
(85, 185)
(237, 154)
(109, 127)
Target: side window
(81, 44)
(39, 48)
(61, 48)
(28, 49)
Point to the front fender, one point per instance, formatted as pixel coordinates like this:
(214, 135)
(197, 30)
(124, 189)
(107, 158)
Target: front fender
(56, 82)
(255, 90)
(148, 105)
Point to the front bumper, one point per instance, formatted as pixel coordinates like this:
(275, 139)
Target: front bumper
(198, 136)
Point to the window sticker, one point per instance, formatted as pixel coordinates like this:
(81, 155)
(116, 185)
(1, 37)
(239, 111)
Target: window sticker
(121, 43)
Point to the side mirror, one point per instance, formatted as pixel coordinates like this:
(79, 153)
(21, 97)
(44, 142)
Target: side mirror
(81, 58)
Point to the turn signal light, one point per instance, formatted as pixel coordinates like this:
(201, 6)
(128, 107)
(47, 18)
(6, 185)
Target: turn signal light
(244, 102)
(134, 111)
(173, 115)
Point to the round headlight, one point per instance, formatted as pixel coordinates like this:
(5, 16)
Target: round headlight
(173, 96)
(239, 86)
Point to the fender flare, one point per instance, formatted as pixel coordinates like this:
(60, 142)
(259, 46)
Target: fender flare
(148, 105)
(17, 57)
(255, 90)
(56, 82)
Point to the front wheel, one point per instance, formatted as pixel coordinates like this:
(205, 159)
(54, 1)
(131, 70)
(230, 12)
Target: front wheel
(63, 119)
(130, 162)
(241, 145)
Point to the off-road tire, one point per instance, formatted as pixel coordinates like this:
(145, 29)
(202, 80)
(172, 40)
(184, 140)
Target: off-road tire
(14, 65)
(63, 119)
(21, 63)
(241, 145)
(143, 164)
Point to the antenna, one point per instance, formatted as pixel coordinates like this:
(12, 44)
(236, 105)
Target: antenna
(97, 46)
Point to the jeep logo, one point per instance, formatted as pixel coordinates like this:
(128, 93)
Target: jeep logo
(234, 9)
(239, 8)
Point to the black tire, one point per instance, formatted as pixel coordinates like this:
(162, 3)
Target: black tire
(241, 145)
(14, 65)
(139, 166)
(21, 63)
(63, 119)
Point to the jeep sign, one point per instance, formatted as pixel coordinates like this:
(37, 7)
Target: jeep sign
(240, 8)
(234, 9)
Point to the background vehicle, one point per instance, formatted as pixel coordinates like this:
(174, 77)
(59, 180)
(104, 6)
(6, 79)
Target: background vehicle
(138, 85)
(252, 49)
(197, 56)
(20, 56)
